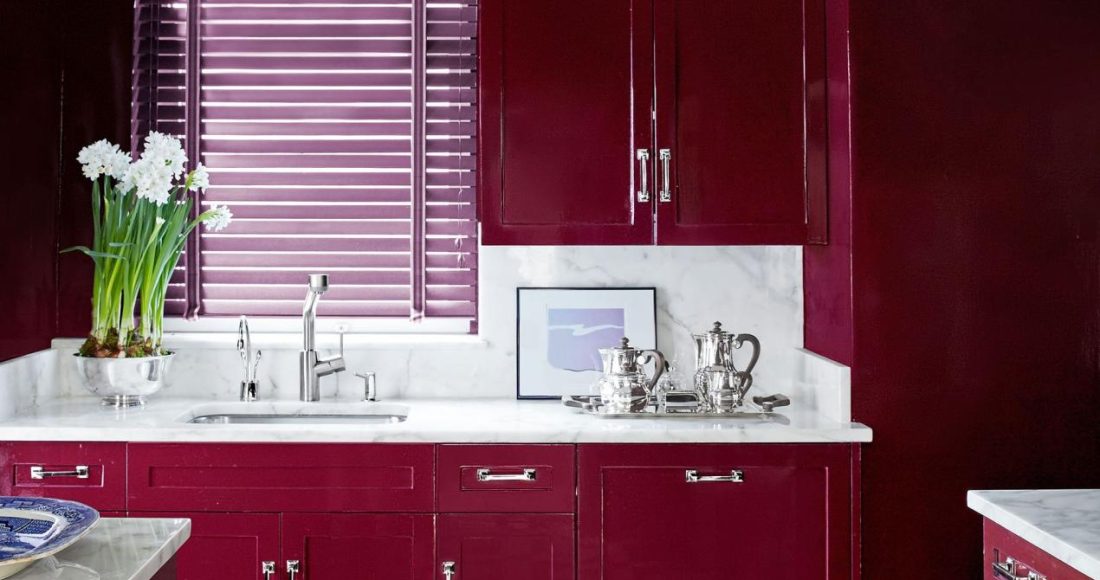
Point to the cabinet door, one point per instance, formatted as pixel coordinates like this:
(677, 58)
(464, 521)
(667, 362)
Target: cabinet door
(741, 111)
(643, 517)
(565, 98)
(343, 546)
(225, 546)
(507, 546)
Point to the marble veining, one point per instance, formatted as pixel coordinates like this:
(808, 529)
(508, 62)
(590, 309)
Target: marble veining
(1065, 523)
(115, 549)
(429, 421)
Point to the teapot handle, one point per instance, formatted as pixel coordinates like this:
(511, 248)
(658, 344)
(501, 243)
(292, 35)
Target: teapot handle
(659, 364)
(742, 338)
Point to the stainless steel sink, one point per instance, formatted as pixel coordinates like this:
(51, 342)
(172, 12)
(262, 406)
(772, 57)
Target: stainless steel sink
(238, 419)
(295, 413)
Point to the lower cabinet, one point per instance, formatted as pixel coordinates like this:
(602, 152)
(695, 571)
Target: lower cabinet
(1010, 556)
(505, 546)
(224, 546)
(718, 512)
(344, 546)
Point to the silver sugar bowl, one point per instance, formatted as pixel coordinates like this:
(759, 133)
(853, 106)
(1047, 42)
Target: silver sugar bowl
(624, 386)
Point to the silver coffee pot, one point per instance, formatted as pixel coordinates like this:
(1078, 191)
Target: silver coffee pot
(624, 386)
(717, 378)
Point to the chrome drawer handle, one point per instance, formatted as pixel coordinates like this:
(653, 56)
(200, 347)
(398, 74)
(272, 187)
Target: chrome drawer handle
(292, 568)
(666, 190)
(449, 570)
(486, 474)
(642, 155)
(79, 472)
(267, 568)
(735, 476)
(1007, 571)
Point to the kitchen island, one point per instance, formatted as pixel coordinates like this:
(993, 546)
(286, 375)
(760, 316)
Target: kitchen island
(117, 549)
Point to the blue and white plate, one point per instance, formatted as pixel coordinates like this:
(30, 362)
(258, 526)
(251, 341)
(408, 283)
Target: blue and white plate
(33, 528)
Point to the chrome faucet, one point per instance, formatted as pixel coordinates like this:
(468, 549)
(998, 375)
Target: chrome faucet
(248, 361)
(312, 367)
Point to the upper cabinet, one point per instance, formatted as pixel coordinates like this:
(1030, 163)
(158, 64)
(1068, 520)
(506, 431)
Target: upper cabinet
(677, 122)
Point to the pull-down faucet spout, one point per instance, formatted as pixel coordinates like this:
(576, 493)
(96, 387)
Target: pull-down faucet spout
(311, 367)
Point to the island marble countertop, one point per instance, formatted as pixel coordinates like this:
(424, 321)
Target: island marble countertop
(1064, 523)
(429, 421)
(115, 549)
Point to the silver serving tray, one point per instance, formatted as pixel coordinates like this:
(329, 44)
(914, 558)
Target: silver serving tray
(590, 405)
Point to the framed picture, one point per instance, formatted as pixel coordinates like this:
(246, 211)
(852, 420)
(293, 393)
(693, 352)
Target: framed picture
(559, 332)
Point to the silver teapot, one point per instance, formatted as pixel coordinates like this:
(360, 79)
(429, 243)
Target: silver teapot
(624, 386)
(717, 378)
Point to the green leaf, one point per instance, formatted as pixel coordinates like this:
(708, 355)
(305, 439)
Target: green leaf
(90, 252)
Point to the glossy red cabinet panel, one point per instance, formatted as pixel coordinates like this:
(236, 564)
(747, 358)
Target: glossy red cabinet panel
(741, 112)
(90, 473)
(343, 546)
(225, 545)
(565, 97)
(1002, 545)
(281, 477)
(642, 518)
(515, 478)
(507, 546)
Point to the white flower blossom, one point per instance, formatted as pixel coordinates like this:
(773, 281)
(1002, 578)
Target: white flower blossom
(219, 218)
(160, 221)
(200, 178)
(103, 158)
(151, 180)
(164, 150)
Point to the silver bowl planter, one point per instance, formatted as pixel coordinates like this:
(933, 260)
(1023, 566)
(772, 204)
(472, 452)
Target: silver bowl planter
(123, 382)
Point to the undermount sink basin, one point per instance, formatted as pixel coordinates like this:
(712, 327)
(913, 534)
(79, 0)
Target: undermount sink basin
(294, 413)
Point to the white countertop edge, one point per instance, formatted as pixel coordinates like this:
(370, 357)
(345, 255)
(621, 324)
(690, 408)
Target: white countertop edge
(158, 559)
(1079, 560)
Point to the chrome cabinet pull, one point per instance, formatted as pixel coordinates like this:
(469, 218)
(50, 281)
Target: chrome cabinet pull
(735, 476)
(267, 568)
(79, 472)
(642, 155)
(449, 570)
(1007, 571)
(666, 191)
(486, 474)
(292, 568)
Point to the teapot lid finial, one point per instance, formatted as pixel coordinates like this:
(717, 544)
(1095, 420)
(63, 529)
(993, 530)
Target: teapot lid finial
(624, 342)
(717, 327)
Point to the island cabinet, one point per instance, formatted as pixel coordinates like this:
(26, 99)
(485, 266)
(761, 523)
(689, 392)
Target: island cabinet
(653, 512)
(652, 121)
(1008, 557)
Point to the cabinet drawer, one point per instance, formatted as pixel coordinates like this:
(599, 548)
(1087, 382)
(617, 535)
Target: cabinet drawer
(90, 473)
(1002, 546)
(506, 478)
(280, 477)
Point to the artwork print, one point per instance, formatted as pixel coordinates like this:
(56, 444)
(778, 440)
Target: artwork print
(577, 334)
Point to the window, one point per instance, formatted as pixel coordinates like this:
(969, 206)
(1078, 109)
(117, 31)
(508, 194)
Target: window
(342, 136)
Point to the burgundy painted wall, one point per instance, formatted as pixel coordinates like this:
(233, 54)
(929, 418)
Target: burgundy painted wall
(974, 265)
(66, 65)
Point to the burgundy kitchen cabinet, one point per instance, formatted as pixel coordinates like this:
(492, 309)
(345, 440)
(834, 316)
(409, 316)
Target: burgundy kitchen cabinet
(740, 121)
(565, 98)
(506, 478)
(226, 545)
(344, 546)
(506, 546)
(1018, 557)
(90, 473)
(718, 512)
(695, 121)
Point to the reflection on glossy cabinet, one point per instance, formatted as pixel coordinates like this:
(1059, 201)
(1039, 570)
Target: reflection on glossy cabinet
(341, 546)
(653, 512)
(224, 546)
(506, 546)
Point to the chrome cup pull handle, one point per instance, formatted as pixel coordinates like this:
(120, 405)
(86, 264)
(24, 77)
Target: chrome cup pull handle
(267, 569)
(666, 190)
(642, 155)
(449, 571)
(486, 474)
(735, 476)
(1007, 571)
(292, 569)
(78, 471)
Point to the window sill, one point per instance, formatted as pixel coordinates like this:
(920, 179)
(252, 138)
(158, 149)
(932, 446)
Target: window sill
(293, 341)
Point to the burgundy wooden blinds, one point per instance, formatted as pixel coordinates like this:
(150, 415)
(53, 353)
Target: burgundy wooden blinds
(341, 134)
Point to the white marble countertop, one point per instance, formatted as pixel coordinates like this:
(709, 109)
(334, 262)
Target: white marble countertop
(431, 421)
(115, 549)
(1065, 523)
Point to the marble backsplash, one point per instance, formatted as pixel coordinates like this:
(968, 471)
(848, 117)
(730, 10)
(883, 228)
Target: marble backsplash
(750, 289)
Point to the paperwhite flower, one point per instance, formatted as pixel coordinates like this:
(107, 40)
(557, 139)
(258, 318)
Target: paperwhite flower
(103, 158)
(200, 179)
(165, 150)
(160, 221)
(218, 219)
(151, 179)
